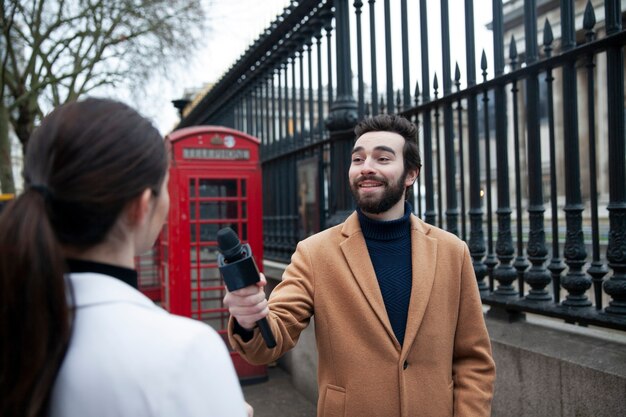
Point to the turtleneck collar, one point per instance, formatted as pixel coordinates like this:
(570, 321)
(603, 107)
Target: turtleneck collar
(126, 275)
(385, 230)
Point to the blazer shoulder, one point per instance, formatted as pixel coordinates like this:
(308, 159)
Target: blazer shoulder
(324, 237)
(443, 236)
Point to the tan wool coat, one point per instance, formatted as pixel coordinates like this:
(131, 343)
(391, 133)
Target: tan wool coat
(444, 368)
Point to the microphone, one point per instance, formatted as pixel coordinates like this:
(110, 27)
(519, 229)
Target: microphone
(239, 270)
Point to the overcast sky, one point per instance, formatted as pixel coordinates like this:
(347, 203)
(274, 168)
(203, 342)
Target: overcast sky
(233, 25)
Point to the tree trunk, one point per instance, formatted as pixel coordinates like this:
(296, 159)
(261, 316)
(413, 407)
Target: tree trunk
(25, 123)
(7, 182)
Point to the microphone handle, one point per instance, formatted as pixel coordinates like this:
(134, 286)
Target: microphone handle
(266, 332)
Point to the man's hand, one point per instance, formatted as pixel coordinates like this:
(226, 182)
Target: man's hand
(248, 305)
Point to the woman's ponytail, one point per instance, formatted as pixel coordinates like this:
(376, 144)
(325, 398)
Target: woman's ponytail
(35, 320)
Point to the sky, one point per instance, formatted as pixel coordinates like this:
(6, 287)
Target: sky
(232, 27)
(234, 24)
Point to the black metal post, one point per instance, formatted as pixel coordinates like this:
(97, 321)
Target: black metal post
(358, 4)
(615, 253)
(429, 214)
(520, 264)
(575, 281)
(556, 265)
(491, 260)
(598, 269)
(389, 58)
(537, 276)
(477, 238)
(309, 48)
(406, 82)
(374, 98)
(452, 209)
(302, 112)
(459, 109)
(281, 67)
(438, 150)
(504, 273)
(320, 92)
(327, 16)
(342, 118)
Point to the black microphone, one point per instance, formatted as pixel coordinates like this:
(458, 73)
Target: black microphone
(239, 270)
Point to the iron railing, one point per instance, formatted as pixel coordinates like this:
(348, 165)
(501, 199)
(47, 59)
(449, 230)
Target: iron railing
(527, 165)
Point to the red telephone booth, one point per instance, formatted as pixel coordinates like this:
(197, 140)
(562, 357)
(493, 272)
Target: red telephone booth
(215, 181)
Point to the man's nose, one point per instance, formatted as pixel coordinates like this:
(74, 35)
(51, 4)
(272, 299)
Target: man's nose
(368, 166)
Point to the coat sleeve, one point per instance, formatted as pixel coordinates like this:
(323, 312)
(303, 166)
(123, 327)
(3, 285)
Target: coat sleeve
(473, 367)
(291, 308)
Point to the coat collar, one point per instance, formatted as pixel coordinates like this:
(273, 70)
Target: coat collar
(90, 288)
(423, 254)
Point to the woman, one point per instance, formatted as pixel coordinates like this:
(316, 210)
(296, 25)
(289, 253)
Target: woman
(76, 338)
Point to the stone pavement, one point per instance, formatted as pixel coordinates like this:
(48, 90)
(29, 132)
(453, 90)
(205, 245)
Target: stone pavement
(277, 397)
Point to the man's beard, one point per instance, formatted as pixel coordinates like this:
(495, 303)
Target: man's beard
(370, 204)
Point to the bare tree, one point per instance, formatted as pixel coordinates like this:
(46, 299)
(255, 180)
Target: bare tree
(54, 51)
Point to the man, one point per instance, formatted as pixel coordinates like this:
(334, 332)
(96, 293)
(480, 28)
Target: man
(398, 318)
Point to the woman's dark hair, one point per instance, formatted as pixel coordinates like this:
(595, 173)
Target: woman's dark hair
(403, 127)
(84, 163)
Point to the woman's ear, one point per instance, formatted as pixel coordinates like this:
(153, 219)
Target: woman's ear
(139, 208)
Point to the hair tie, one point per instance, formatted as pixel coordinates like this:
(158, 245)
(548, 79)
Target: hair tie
(42, 189)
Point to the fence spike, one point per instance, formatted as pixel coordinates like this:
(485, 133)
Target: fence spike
(483, 65)
(513, 49)
(417, 92)
(548, 38)
(589, 21)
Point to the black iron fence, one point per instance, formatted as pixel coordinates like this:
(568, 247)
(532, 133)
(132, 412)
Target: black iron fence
(527, 163)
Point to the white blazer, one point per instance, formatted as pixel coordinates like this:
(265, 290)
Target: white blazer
(128, 357)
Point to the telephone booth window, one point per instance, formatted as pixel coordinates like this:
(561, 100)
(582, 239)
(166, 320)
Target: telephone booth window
(213, 205)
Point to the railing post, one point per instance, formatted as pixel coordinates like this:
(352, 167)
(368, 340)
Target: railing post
(556, 265)
(452, 209)
(616, 254)
(575, 281)
(504, 273)
(477, 237)
(537, 276)
(374, 98)
(342, 118)
(429, 213)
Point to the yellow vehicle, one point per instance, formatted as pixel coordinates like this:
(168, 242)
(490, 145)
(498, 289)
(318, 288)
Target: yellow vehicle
(4, 199)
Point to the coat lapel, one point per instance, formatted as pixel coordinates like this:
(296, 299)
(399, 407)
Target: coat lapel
(355, 252)
(423, 256)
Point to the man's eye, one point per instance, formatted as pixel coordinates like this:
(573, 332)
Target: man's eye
(356, 159)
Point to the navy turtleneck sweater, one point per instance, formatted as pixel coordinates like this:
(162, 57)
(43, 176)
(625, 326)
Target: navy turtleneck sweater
(389, 247)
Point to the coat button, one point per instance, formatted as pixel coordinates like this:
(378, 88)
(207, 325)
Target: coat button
(405, 365)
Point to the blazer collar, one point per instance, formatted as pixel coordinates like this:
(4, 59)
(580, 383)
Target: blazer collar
(423, 254)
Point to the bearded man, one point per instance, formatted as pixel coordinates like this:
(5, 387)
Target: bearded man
(398, 320)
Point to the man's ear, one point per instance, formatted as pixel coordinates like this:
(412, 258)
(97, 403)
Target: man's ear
(139, 208)
(411, 177)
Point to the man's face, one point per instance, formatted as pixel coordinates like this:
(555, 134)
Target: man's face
(376, 175)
